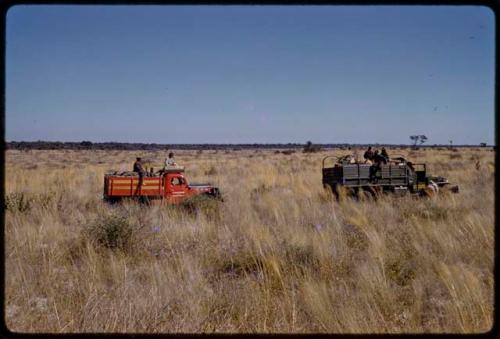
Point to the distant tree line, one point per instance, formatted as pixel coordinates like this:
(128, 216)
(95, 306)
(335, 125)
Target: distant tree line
(56, 145)
(88, 145)
(311, 148)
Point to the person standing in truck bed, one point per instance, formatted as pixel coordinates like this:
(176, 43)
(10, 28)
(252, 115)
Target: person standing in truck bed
(384, 153)
(139, 168)
(378, 160)
(368, 155)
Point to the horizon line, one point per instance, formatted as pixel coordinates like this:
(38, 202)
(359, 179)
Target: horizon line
(247, 143)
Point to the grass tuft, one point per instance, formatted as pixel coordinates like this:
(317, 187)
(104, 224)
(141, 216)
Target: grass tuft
(18, 202)
(111, 231)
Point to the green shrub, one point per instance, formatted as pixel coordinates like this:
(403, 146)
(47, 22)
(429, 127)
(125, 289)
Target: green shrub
(112, 231)
(18, 202)
(44, 199)
(211, 171)
(400, 271)
(356, 238)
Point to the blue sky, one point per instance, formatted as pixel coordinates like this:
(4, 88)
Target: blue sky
(250, 74)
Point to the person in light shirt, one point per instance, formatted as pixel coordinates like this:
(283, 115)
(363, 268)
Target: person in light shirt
(169, 162)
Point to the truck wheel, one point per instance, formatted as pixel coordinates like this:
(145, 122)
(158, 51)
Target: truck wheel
(213, 196)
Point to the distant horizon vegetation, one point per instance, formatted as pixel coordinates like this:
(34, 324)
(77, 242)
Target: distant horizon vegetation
(111, 145)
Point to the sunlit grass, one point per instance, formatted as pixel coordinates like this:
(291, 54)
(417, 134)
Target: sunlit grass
(279, 255)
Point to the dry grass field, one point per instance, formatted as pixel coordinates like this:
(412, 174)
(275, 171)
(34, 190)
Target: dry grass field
(279, 255)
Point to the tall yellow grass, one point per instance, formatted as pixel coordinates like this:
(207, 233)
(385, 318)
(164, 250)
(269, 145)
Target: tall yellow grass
(278, 256)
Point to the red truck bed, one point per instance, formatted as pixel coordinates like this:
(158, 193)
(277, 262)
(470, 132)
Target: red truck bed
(126, 186)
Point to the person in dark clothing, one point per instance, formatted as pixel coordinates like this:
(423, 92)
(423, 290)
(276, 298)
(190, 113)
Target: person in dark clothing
(384, 153)
(368, 154)
(378, 159)
(139, 168)
(138, 165)
(373, 170)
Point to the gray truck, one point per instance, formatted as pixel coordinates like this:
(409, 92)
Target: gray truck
(396, 176)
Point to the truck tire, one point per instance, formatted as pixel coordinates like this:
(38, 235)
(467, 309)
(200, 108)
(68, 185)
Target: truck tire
(214, 194)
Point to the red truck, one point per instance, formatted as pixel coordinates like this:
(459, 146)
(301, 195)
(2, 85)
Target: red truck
(169, 186)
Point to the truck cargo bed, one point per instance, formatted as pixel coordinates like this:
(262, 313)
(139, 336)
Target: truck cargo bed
(127, 186)
(359, 175)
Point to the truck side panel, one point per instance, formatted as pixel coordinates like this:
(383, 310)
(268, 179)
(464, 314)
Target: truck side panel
(332, 174)
(128, 187)
(359, 175)
(355, 175)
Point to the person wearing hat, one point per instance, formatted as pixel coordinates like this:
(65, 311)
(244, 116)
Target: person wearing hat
(139, 168)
